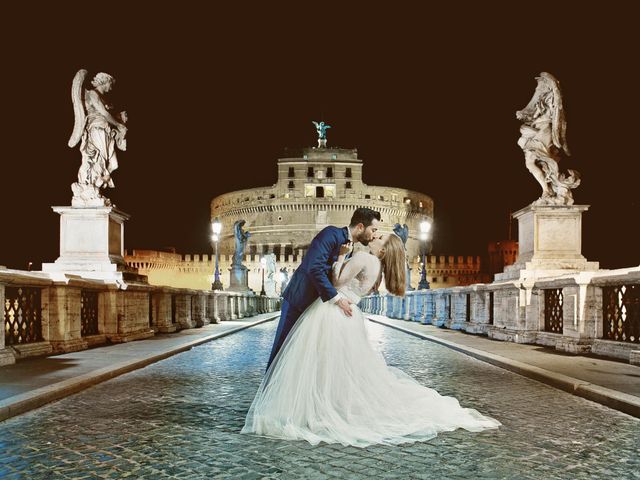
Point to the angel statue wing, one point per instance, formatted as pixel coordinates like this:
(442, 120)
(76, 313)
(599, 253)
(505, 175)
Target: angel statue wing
(402, 231)
(78, 107)
(558, 122)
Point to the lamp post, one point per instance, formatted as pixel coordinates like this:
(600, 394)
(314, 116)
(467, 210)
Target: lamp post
(216, 227)
(263, 263)
(425, 229)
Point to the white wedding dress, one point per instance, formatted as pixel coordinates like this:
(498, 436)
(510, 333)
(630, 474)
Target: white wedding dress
(328, 384)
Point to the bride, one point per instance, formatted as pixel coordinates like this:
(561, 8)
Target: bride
(328, 384)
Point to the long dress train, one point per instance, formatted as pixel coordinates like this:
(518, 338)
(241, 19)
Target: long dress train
(328, 384)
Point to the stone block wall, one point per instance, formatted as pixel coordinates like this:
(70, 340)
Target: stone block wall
(124, 312)
(515, 311)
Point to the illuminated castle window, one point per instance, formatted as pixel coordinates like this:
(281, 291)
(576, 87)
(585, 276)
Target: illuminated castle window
(319, 191)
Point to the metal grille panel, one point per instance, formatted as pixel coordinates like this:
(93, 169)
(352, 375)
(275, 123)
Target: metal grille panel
(151, 319)
(468, 308)
(22, 315)
(621, 313)
(89, 313)
(491, 307)
(553, 301)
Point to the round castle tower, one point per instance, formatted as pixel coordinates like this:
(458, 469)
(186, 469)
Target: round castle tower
(316, 187)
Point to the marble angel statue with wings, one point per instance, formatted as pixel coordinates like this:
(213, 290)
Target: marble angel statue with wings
(99, 133)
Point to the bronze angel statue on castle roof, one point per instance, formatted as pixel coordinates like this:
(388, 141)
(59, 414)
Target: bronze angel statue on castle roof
(543, 139)
(99, 132)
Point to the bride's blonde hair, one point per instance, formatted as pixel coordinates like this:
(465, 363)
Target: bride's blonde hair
(394, 265)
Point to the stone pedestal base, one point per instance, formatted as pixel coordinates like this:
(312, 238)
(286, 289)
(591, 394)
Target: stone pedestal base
(130, 337)
(32, 349)
(550, 243)
(66, 346)
(7, 357)
(167, 328)
(238, 279)
(91, 243)
(93, 340)
(512, 335)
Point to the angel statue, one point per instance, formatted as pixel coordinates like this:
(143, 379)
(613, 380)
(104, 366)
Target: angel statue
(321, 128)
(270, 283)
(241, 242)
(99, 132)
(402, 231)
(543, 139)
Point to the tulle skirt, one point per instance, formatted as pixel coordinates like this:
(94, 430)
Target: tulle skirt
(328, 384)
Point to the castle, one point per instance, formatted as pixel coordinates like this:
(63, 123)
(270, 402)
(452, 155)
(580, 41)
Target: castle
(316, 187)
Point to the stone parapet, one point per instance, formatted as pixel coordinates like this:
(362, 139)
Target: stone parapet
(66, 313)
(582, 312)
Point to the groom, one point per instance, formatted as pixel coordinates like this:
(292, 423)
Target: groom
(311, 279)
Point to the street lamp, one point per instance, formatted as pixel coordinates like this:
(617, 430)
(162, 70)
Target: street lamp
(216, 227)
(263, 263)
(425, 229)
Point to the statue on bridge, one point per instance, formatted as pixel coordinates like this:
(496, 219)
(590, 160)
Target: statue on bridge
(99, 133)
(270, 282)
(543, 139)
(403, 232)
(241, 238)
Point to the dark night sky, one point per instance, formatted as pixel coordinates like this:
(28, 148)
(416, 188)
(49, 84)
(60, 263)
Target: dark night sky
(428, 97)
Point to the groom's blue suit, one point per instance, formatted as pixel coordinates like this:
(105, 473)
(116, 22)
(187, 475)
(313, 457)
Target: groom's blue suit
(309, 281)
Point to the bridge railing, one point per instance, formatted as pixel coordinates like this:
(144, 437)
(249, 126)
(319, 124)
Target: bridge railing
(44, 315)
(597, 312)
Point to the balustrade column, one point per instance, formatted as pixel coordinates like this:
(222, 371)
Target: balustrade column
(64, 307)
(429, 308)
(233, 307)
(407, 305)
(198, 307)
(389, 305)
(6, 355)
(183, 311)
(163, 314)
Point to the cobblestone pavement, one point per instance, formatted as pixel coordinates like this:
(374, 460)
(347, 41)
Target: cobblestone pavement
(180, 418)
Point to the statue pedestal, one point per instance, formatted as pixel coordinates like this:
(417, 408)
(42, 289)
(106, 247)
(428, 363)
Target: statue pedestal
(550, 243)
(238, 279)
(322, 143)
(91, 243)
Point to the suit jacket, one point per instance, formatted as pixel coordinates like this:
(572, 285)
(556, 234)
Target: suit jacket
(311, 279)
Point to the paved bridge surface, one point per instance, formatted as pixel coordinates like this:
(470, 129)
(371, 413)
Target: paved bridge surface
(180, 418)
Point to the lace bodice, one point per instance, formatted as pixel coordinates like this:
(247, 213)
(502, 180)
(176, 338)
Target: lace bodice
(356, 276)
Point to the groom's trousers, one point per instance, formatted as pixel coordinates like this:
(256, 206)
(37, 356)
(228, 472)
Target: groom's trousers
(289, 314)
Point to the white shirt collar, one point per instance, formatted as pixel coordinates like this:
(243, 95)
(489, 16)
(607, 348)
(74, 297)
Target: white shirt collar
(349, 234)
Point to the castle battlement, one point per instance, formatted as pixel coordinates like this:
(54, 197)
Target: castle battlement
(315, 187)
